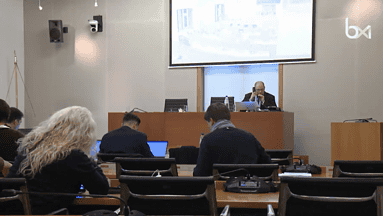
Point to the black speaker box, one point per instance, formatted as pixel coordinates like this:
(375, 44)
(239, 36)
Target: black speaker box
(56, 31)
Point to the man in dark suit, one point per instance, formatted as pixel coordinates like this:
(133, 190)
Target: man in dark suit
(259, 95)
(226, 144)
(126, 139)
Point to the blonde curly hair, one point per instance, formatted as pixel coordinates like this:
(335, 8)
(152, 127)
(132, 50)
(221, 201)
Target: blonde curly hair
(54, 139)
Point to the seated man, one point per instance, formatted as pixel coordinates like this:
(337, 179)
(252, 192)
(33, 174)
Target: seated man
(14, 119)
(8, 136)
(259, 95)
(126, 139)
(226, 144)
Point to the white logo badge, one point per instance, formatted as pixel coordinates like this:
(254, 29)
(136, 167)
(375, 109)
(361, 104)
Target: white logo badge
(358, 31)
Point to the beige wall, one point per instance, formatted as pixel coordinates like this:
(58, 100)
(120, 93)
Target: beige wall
(119, 69)
(344, 83)
(12, 39)
(126, 66)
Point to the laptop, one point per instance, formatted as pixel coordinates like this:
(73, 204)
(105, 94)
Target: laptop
(247, 106)
(92, 152)
(158, 148)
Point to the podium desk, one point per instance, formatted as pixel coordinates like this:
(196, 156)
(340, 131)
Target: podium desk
(356, 141)
(274, 130)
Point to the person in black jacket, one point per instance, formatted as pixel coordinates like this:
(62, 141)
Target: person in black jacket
(14, 119)
(55, 157)
(259, 96)
(126, 139)
(226, 144)
(8, 136)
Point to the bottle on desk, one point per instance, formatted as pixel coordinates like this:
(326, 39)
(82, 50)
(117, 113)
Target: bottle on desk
(227, 102)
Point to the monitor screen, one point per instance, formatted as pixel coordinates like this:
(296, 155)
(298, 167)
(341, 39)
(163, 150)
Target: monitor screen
(211, 32)
(158, 148)
(92, 152)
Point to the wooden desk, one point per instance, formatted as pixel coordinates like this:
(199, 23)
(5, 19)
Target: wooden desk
(97, 201)
(356, 141)
(244, 200)
(235, 200)
(274, 130)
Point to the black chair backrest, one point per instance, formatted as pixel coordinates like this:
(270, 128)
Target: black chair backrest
(184, 154)
(107, 157)
(10, 184)
(222, 100)
(145, 166)
(174, 104)
(364, 169)
(169, 195)
(263, 171)
(330, 196)
(281, 156)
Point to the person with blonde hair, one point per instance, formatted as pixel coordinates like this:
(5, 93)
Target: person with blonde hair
(55, 157)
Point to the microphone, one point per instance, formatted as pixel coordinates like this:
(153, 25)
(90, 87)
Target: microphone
(236, 170)
(135, 108)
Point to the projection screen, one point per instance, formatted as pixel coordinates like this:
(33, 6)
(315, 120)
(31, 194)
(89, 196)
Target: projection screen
(225, 32)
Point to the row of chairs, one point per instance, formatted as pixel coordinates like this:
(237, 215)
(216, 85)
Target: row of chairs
(339, 195)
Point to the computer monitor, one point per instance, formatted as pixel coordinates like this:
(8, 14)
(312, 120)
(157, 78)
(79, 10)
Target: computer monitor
(172, 105)
(158, 148)
(222, 100)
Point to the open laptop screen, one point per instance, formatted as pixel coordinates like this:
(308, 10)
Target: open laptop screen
(92, 152)
(158, 148)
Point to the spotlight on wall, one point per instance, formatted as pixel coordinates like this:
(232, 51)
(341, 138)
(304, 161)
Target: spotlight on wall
(40, 8)
(95, 3)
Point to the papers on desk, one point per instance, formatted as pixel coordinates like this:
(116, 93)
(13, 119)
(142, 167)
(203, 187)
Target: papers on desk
(295, 174)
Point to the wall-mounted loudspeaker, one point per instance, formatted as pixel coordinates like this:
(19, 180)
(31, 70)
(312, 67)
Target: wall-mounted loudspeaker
(56, 31)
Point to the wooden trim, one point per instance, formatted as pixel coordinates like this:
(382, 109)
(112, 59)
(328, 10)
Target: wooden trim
(280, 84)
(200, 89)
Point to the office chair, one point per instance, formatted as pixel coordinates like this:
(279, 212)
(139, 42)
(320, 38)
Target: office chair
(330, 196)
(365, 169)
(169, 195)
(263, 171)
(9, 194)
(145, 166)
(109, 157)
(172, 105)
(281, 156)
(184, 154)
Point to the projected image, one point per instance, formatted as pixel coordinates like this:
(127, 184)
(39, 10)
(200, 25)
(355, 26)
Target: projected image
(219, 31)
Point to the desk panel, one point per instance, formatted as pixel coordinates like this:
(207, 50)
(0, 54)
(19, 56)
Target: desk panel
(274, 130)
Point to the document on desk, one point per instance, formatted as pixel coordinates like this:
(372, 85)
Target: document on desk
(295, 174)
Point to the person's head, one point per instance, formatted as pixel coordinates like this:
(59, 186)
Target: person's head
(4, 111)
(216, 112)
(259, 87)
(71, 128)
(131, 121)
(15, 117)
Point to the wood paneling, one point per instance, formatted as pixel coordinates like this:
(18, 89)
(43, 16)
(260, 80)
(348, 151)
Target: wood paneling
(274, 130)
(356, 141)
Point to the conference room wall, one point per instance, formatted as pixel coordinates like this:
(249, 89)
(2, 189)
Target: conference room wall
(12, 39)
(344, 83)
(121, 68)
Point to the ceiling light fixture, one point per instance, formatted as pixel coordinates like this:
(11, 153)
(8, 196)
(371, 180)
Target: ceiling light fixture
(40, 8)
(95, 3)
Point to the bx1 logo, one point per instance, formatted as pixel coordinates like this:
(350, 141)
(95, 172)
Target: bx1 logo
(358, 31)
